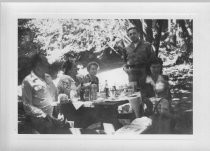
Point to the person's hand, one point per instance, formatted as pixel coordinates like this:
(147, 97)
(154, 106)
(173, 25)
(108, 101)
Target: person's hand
(153, 99)
(60, 117)
(87, 84)
(88, 104)
(54, 103)
(126, 108)
(125, 67)
(42, 115)
(63, 98)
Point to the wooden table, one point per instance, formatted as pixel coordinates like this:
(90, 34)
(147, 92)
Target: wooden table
(105, 112)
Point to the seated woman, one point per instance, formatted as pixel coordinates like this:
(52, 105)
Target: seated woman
(91, 77)
(64, 87)
(90, 81)
(67, 90)
(156, 90)
(70, 68)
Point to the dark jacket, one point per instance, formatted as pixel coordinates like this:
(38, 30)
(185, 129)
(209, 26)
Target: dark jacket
(142, 54)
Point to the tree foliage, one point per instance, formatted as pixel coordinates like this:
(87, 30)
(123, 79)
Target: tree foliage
(60, 36)
(104, 40)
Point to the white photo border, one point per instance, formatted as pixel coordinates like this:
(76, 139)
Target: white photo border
(11, 12)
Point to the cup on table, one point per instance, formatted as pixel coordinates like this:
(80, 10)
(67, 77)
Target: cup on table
(102, 95)
(133, 85)
(130, 91)
(71, 123)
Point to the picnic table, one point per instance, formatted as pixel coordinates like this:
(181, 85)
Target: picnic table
(103, 111)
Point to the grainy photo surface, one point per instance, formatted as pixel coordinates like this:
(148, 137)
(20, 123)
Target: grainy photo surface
(105, 76)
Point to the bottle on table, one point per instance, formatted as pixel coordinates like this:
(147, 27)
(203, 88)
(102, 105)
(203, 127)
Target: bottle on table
(93, 91)
(113, 91)
(106, 89)
(82, 93)
(87, 94)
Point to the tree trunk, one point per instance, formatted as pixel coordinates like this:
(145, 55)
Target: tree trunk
(158, 25)
(184, 29)
(148, 30)
(187, 37)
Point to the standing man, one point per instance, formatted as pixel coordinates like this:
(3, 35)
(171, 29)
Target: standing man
(38, 94)
(138, 55)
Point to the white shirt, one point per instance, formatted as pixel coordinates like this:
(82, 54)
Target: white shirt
(39, 93)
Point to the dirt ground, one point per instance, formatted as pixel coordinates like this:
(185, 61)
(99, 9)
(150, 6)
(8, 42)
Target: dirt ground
(182, 104)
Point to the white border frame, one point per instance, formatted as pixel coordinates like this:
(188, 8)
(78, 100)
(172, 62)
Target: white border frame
(10, 12)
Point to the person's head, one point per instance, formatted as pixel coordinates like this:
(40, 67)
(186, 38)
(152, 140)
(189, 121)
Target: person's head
(156, 66)
(55, 68)
(40, 64)
(64, 84)
(92, 68)
(133, 34)
(70, 68)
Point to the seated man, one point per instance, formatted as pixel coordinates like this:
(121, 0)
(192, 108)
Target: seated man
(38, 94)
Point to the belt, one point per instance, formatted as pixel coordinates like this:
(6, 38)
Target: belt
(136, 66)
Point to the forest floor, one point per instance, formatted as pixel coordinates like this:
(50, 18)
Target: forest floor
(182, 104)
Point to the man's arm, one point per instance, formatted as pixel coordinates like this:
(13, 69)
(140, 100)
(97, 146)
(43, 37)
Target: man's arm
(27, 101)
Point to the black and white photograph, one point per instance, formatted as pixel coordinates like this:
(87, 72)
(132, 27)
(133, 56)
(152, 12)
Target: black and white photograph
(105, 76)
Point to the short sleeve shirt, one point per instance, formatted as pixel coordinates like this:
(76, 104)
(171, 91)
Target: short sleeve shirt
(39, 92)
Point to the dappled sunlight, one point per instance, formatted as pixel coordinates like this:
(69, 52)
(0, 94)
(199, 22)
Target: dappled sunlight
(115, 77)
(70, 44)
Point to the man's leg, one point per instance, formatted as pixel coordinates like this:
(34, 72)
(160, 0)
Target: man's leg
(42, 125)
(49, 125)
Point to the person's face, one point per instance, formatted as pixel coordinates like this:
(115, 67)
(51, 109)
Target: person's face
(155, 69)
(67, 86)
(73, 71)
(133, 35)
(93, 70)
